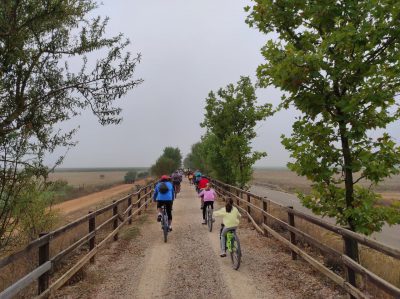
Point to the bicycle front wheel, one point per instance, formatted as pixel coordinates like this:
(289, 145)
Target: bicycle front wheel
(209, 218)
(236, 253)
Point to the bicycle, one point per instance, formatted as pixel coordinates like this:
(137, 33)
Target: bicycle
(209, 217)
(164, 222)
(177, 189)
(232, 245)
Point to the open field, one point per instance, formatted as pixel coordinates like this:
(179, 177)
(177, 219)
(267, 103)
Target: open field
(283, 179)
(92, 178)
(80, 177)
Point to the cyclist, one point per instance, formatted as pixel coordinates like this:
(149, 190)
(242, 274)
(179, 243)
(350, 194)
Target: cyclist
(208, 196)
(164, 195)
(176, 181)
(190, 177)
(230, 221)
(196, 179)
(203, 183)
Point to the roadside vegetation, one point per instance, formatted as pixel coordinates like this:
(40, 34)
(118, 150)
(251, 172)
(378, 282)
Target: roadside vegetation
(168, 162)
(225, 151)
(39, 91)
(335, 65)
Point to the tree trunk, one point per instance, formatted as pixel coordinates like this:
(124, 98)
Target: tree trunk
(350, 245)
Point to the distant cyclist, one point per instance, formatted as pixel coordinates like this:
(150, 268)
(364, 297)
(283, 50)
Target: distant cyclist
(164, 195)
(208, 196)
(196, 180)
(190, 177)
(230, 221)
(176, 181)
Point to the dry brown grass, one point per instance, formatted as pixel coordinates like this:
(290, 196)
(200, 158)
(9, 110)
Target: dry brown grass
(384, 266)
(89, 178)
(286, 180)
(16, 270)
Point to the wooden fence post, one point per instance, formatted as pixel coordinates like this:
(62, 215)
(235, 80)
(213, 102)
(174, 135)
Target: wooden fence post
(44, 256)
(248, 207)
(292, 234)
(145, 196)
(130, 211)
(265, 209)
(115, 225)
(139, 204)
(237, 199)
(351, 250)
(92, 228)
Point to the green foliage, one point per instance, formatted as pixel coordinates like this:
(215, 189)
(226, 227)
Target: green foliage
(168, 162)
(38, 90)
(174, 154)
(142, 175)
(230, 118)
(201, 155)
(34, 210)
(130, 177)
(337, 62)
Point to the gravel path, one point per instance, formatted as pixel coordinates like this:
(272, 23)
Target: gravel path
(141, 265)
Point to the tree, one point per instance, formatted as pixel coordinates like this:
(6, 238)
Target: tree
(130, 177)
(174, 154)
(143, 174)
(39, 90)
(163, 165)
(230, 119)
(201, 155)
(337, 62)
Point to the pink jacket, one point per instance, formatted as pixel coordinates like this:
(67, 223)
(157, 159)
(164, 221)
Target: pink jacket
(209, 195)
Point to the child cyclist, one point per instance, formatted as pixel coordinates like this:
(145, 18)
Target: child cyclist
(230, 221)
(207, 196)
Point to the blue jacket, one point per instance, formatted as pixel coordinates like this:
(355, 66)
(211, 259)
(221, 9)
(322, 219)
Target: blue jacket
(166, 196)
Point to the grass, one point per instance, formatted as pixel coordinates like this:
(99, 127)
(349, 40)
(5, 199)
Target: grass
(384, 266)
(89, 178)
(286, 180)
(25, 264)
(132, 232)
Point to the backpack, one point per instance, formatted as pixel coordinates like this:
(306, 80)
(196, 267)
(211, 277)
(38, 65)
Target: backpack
(163, 188)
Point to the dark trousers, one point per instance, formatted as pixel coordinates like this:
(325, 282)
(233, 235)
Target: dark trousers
(168, 205)
(207, 203)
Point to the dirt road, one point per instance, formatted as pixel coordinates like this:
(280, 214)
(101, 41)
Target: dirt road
(141, 265)
(91, 200)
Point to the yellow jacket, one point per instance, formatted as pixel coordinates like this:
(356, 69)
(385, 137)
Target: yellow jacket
(229, 219)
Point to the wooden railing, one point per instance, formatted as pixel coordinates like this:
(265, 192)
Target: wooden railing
(48, 259)
(250, 204)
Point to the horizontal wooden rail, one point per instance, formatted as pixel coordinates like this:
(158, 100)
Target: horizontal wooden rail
(14, 289)
(378, 246)
(317, 265)
(225, 190)
(63, 279)
(54, 234)
(47, 265)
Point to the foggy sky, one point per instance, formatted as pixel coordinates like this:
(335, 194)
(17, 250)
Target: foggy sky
(188, 49)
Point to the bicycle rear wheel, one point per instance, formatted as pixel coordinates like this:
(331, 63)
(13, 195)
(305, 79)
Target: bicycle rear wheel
(236, 253)
(165, 226)
(209, 218)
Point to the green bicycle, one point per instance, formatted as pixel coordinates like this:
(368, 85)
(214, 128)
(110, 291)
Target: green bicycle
(232, 245)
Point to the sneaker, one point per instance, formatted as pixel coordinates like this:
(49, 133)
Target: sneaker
(170, 228)
(204, 222)
(213, 219)
(159, 218)
(223, 254)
